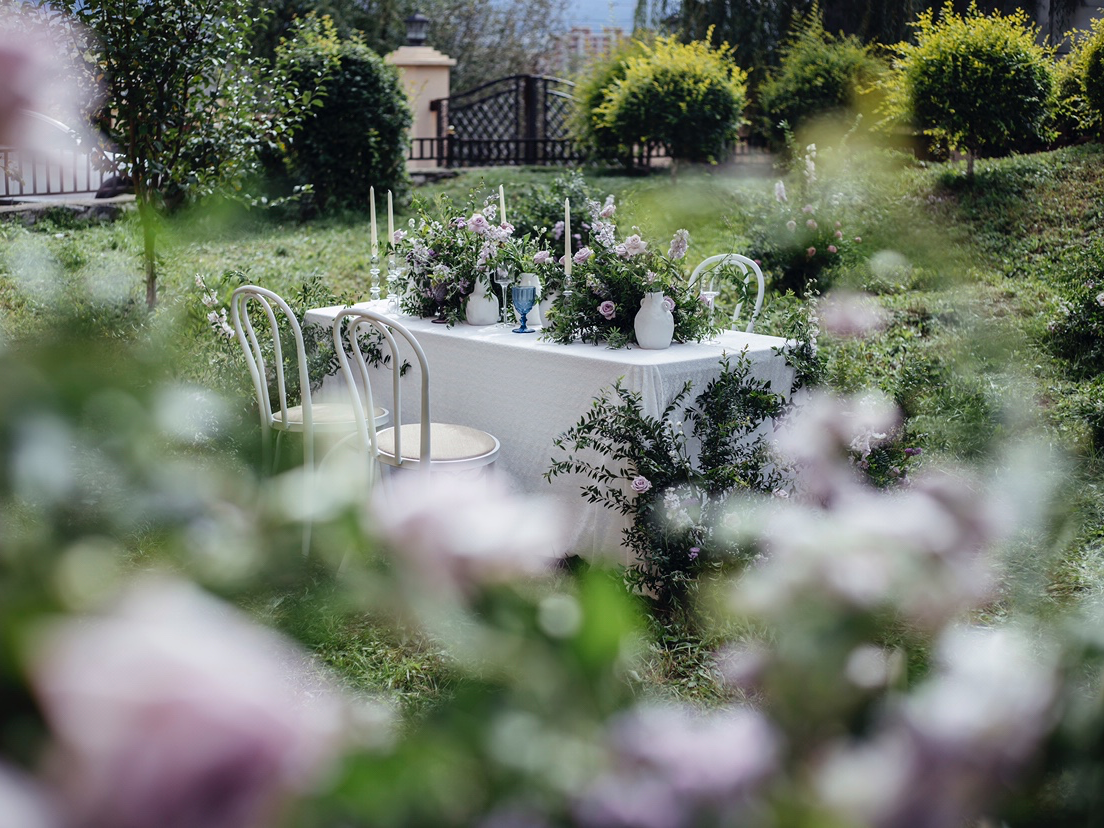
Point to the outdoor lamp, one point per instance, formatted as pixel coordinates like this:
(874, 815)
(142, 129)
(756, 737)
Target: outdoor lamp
(417, 26)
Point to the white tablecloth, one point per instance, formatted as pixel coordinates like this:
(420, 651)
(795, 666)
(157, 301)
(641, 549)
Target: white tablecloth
(527, 391)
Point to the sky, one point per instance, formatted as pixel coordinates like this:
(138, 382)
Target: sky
(599, 13)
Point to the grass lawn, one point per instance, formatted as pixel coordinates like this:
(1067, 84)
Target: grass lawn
(969, 274)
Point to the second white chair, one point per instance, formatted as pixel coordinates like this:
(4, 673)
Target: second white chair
(720, 263)
(426, 444)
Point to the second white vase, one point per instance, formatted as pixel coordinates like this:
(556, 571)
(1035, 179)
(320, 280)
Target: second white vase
(654, 323)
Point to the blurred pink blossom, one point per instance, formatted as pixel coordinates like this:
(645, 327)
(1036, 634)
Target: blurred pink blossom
(175, 711)
(451, 533)
(851, 314)
(810, 252)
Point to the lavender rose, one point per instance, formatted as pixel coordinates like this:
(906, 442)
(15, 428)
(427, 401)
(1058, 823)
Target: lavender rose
(607, 309)
(641, 484)
(582, 255)
(541, 256)
(478, 224)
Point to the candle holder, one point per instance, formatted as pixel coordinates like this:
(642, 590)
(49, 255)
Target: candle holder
(566, 292)
(374, 272)
(394, 272)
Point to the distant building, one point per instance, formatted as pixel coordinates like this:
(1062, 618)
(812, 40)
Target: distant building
(577, 48)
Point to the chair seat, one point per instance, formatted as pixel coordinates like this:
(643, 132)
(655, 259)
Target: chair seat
(325, 416)
(448, 443)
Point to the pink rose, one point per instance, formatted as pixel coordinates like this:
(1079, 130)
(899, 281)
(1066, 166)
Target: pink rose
(811, 224)
(832, 248)
(810, 252)
(541, 256)
(582, 255)
(478, 224)
(641, 484)
(607, 309)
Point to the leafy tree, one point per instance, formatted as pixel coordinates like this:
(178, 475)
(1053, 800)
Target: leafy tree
(980, 83)
(182, 99)
(820, 75)
(357, 137)
(490, 39)
(687, 98)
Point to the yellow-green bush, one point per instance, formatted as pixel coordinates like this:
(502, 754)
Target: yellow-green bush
(1089, 56)
(820, 75)
(979, 83)
(685, 97)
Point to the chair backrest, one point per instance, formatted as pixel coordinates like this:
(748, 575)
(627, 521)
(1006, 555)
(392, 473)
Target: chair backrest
(347, 344)
(250, 296)
(747, 267)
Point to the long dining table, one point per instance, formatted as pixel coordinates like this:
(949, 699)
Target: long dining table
(527, 390)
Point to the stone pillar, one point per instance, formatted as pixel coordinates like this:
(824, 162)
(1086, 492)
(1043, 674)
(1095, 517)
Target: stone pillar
(425, 76)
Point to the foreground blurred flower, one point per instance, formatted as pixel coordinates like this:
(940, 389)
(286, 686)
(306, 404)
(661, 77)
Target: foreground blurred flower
(671, 761)
(946, 752)
(175, 711)
(23, 803)
(452, 532)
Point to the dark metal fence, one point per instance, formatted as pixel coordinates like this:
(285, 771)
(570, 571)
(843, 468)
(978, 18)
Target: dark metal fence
(521, 119)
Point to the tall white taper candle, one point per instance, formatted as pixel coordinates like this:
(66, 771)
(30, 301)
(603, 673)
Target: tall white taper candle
(372, 215)
(567, 236)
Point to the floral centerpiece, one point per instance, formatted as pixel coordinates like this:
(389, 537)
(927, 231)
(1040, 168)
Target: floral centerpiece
(599, 300)
(446, 253)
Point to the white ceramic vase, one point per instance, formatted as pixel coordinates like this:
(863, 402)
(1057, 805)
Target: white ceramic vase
(481, 307)
(654, 323)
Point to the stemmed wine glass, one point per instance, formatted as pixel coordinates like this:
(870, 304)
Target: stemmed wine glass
(502, 279)
(708, 296)
(438, 290)
(524, 299)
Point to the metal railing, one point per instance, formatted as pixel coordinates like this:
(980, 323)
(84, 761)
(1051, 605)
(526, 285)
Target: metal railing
(50, 172)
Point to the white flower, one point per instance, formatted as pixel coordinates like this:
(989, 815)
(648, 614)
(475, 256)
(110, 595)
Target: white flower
(1100, 299)
(608, 208)
(779, 191)
(679, 244)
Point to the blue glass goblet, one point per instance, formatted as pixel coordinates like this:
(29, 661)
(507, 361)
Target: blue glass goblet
(524, 298)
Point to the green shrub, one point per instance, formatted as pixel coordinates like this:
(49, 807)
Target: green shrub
(981, 84)
(588, 127)
(1090, 61)
(687, 98)
(820, 76)
(357, 138)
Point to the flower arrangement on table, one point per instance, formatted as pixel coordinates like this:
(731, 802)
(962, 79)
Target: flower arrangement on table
(446, 253)
(609, 279)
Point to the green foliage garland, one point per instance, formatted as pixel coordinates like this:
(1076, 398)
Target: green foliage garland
(675, 500)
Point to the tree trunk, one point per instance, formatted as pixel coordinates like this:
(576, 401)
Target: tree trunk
(149, 232)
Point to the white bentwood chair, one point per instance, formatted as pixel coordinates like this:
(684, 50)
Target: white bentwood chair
(335, 420)
(726, 262)
(438, 447)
